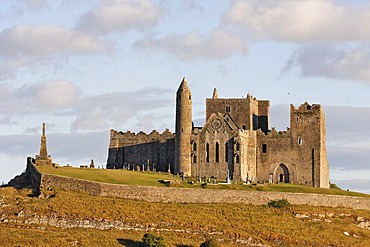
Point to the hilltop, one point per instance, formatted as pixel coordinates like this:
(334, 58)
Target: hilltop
(120, 176)
(60, 217)
(65, 218)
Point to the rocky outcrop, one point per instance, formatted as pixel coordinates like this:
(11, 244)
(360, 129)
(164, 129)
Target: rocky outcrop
(30, 178)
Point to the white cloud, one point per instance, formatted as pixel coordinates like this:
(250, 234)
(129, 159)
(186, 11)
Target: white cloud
(36, 5)
(339, 62)
(48, 40)
(117, 16)
(7, 121)
(216, 45)
(56, 94)
(45, 96)
(300, 20)
(27, 46)
(98, 112)
(94, 119)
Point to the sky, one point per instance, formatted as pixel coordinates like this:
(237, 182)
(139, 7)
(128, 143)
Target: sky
(85, 67)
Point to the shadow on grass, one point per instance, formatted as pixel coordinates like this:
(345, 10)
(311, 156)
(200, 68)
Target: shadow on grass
(129, 242)
(35, 192)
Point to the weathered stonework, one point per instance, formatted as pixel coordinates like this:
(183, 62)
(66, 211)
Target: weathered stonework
(236, 140)
(43, 158)
(187, 195)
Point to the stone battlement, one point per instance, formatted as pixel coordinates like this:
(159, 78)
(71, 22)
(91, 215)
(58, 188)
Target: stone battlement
(305, 107)
(121, 139)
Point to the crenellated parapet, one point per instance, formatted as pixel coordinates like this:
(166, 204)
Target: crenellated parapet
(305, 107)
(122, 139)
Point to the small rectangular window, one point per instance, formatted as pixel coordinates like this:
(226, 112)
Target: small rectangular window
(227, 108)
(264, 148)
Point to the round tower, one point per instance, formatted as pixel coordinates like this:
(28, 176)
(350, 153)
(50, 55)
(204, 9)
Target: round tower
(183, 129)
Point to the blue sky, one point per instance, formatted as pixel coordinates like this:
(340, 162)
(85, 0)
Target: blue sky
(86, 66)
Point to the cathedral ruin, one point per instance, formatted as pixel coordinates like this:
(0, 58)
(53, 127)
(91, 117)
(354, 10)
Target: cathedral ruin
(235, 142)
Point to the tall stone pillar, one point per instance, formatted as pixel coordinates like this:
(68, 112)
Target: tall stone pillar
(43, 158)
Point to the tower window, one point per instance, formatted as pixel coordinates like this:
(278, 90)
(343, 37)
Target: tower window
(300, 141)
(217, 149)
(236, 158)
(194, 146)
(194, 158)
(207, 152)
(228, 108)
(237, 146)
(264, 148)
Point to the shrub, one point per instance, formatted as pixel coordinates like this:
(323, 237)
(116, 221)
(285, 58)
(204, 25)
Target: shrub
(210, 243)
(283, 203)
(151, 240)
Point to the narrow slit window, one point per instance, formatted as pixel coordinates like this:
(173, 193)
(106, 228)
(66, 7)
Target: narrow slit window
(264, 148)
(237, 146)
(228, 108)
(300, 141)
(237, 159)
(226, 152)
(207, 152)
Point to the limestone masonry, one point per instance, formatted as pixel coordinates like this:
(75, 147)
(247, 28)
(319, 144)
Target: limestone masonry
(43, 158)
(235, 143)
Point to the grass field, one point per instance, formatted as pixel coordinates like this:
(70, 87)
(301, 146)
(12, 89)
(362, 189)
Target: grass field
(151, 179)
(226, 223)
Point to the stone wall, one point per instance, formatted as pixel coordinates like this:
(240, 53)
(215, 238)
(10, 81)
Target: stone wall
(188, 195)
(131, 150)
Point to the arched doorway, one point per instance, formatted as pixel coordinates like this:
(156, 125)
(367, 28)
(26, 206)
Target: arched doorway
(282, 174)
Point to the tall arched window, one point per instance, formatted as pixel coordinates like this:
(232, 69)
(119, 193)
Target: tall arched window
(226, 152)
(207, 152)
(194, 158)
(217, 152)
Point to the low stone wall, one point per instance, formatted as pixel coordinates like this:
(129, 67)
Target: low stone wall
(188, 195)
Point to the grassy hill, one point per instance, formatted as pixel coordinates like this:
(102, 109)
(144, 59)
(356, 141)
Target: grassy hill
(180, 224)
(152, 179)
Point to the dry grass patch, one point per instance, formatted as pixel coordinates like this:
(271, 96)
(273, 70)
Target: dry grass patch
(179, 224)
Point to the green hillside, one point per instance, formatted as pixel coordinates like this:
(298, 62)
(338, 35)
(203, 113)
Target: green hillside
(152, 179)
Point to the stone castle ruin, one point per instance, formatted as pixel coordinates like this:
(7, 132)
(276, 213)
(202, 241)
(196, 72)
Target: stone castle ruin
(236, 143)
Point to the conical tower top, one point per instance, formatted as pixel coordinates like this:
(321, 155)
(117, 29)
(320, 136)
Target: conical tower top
(184, 85)
(215, 94)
